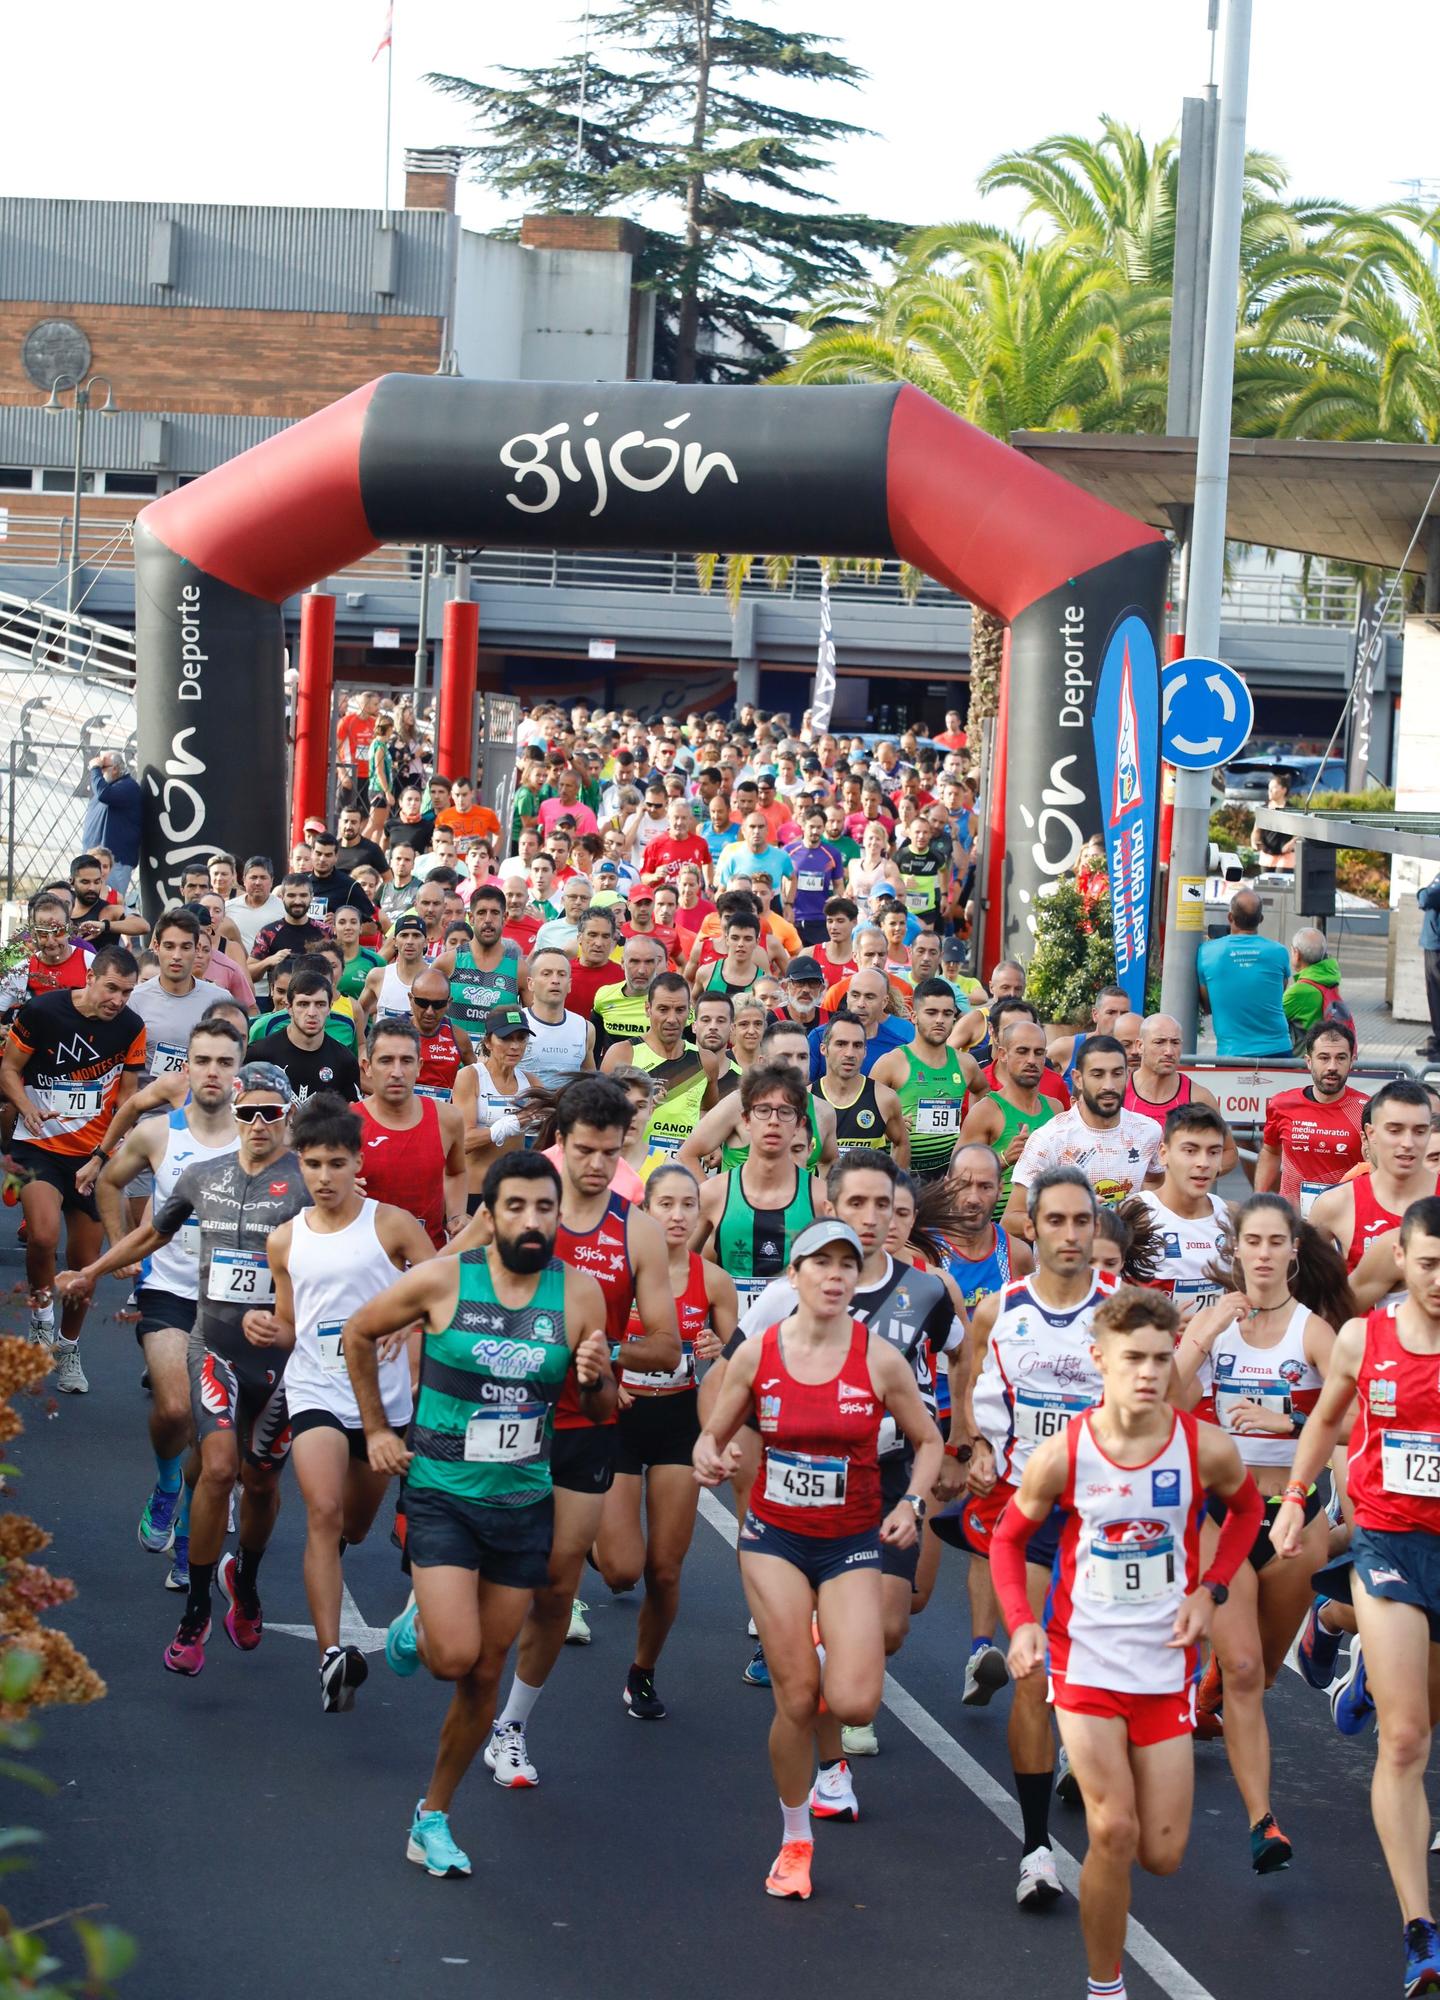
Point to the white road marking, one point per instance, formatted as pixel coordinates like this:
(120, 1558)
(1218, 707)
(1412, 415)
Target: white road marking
(353, 1629)
(1146, 1949)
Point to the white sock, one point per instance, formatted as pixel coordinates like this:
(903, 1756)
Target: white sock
(517, 1708)
(797, 1821)
(1106, 1989)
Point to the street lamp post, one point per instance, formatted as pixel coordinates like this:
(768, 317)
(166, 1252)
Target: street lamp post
(83, 393)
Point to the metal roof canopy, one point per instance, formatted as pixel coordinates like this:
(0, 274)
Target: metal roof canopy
(1414, 834)
(1352, 502)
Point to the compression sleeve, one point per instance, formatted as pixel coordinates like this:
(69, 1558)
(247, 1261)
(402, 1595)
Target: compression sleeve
(1244, 1512)
(1007, 1566)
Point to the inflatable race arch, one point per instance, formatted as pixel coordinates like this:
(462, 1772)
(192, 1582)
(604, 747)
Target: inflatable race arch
(842, 471)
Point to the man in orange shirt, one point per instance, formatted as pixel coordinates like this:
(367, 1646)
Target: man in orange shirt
(353, 738)
(467, 820)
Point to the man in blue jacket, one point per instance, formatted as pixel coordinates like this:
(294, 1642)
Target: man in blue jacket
(112, 818)
(1429, 901)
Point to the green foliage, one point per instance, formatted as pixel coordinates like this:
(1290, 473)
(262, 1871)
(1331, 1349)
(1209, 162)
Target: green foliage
(676, 138)
(1379, 799)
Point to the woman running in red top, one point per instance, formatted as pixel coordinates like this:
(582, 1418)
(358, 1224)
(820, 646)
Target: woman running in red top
(819, 1385)
(658, 1424)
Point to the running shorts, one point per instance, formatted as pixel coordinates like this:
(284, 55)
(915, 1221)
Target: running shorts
(656, 1430)
(245, 1396)
(56, 1170)
(1262, 1549)
(509, 1546)
(1148, 1718)
(583, 1460)
(895, 1474)
(970, 1522)
(1403, 1566)
(326, 1420)
(819, 1558)
(162, 1312)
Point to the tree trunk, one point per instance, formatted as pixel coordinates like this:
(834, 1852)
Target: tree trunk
(987, 647)
(687, 333)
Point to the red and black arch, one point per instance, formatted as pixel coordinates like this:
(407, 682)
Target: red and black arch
(871, 471)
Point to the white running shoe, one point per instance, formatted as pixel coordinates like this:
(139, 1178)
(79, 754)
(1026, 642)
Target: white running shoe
(1039, 1884)
(579, 1633)
(860, 1740)
(1067, 1785)
(506, 1756)
(832, 1796)
(42, 1321)
(230, 1518)
(69, 1375)
(753, 1629)
(985, 1674)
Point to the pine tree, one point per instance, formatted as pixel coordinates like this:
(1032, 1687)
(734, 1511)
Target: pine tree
(673, 138)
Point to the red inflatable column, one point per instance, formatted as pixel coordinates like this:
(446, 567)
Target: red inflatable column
(312, 710)
(996, 777)
(459, 656)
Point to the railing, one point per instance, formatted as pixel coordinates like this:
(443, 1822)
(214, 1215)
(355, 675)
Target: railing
(43, 541)
(40, 638)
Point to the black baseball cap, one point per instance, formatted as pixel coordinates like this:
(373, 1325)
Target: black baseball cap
(803, 967)
(409, 922)
(505, 1021)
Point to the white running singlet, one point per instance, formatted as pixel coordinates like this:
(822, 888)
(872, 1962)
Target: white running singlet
(1129, 1551)
(333, 1274)
(1192, 1244)
(394, 995)
(557, 1048)
(175, 1266)
(1038, 1372)
(1281, 1379)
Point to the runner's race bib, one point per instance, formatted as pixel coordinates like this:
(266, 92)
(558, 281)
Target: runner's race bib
(1194, 1292)
(682, 1377)
(1410, 1463)
(329, 1337)
(168, 1060)
(798, 1479)
(891, 1437)
(240, 1278)
(1273, 1397)
(74, 1100)
(187, 1240)
(810, 883)
(1310, 1193)
(1131, 1562)
(1042, 1413)
(506, 1437)
(436, 1090)
(937, 1115)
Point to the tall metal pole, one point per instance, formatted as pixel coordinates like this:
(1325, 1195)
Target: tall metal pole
(82, 401)
(422, 646)
(1190, 844)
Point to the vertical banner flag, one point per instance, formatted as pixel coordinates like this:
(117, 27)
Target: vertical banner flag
(822, 696)
(1365, 664)
(498, 752)
(387, 38)
(1126, 726)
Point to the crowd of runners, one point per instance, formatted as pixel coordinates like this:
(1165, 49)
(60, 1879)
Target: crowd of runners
(519, 1182)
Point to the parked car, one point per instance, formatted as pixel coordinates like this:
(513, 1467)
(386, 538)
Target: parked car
(1245, 781)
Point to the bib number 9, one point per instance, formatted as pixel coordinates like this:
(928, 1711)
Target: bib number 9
(1123, 1572)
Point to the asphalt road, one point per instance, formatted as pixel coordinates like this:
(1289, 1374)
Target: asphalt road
(251, 1843)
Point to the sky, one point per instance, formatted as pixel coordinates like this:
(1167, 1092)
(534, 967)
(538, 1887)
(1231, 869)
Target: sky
(280, 100)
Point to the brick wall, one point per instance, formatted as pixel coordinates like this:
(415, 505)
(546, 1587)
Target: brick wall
(581, 232)
(207, 359)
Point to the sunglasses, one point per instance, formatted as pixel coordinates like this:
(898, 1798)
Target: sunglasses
(263, 1114)
(428, 1006)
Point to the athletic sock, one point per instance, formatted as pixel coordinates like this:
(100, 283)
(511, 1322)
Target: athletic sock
(797, 1821)
(517, 1708)
(1107, 1989)
(980, 1641)
(197, 1605)
(1032, 1788)
(247, 1574)
(167, 1473)
(182, 1512)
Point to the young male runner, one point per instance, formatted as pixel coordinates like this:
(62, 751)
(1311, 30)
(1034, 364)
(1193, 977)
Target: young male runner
(204, 1129)
(237, 1390)
(1191, 1221)
(1113, 1148)
(327, 1262)
(1129, 1607)
(1313, 1135)
(1386, 1367)
(506, 1327)
(414, 1148)
(865, 1109)
(1016, 1106)
(750, 1217)
(1398, 1131)
(930, 1079)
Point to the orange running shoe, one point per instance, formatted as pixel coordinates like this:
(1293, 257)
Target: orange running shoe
(790, 1871)
(1209, 1703)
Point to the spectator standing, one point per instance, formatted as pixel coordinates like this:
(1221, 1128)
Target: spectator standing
(1313, 994)
(1242, 983)
(112, 818)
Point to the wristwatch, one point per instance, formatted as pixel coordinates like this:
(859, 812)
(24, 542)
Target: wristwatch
(916, 1501)
(1219, 1591)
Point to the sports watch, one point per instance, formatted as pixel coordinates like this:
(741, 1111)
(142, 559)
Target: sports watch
(916, 1501)
(1219, 1591)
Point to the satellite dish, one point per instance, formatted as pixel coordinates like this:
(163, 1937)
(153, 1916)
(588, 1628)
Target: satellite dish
(55, 347)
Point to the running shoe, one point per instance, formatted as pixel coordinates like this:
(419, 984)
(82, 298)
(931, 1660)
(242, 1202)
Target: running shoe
(1422, 1958)
(579, 1633)
(1210, 1703)
(244, 1629)
(179, 1577)
(640, 1697)
(129, 1309)
(42, 1321)
(832, 1796)
(790, 1871)
(985, 1674)
(69, 1375)
(1067, 1785)
(756, 1674)
(752, 1630)
(1039, 1884)
(186, 1652)
(157, 1522)
(343, 1669)
(431, 1846)
(1350, 1702)
(859, 1740)
(402, 1654)
(1270, 1851)
(508, 1758)
(1317, 1649)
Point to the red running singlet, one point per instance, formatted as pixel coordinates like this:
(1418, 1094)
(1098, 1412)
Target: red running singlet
(692, 1309)
(1371, 1220)
(1148, 1108)
(819, 1444)
(439, 1061)
(1395, 1446)
(603, 1252)
(408, 1168)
